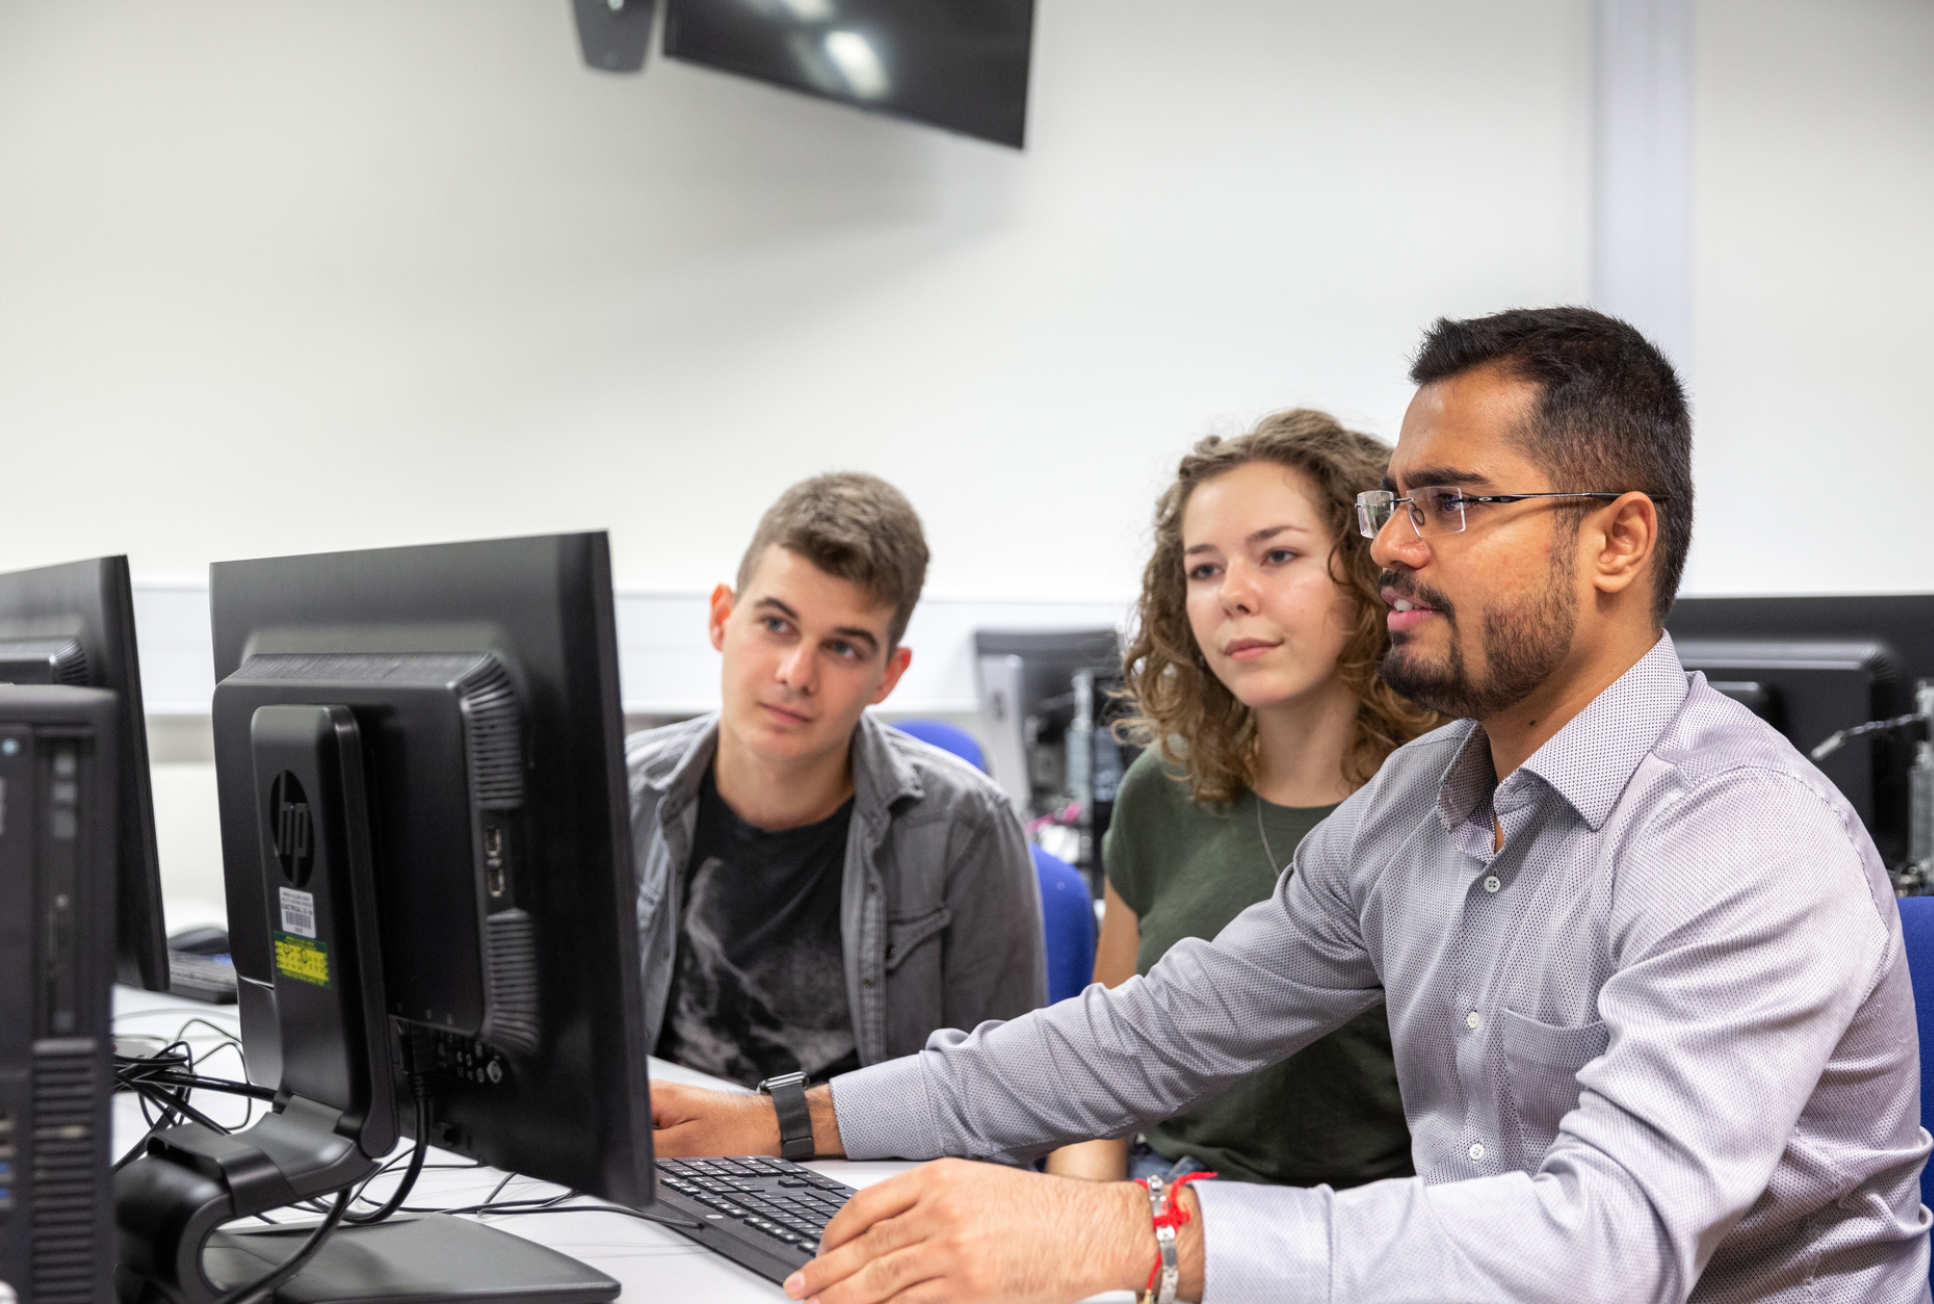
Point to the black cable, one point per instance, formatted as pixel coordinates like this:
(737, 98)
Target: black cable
(1835, 741)
(173, 1055)
(227, 1035)
(497, 1190)
(180, 1104)
(494, 1207)
(417, 1153)
(316, 1206)
(268, 1284)
(134, 1152)
(224, 1085)
(663, 1220)
(166, 1055)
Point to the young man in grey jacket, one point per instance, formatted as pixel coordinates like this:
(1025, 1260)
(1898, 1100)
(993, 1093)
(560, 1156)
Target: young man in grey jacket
(818, 891)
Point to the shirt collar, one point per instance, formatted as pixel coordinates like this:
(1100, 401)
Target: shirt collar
(1589, 761)
(1468, 778)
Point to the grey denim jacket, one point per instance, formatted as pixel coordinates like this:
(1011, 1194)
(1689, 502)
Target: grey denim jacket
(940, 914)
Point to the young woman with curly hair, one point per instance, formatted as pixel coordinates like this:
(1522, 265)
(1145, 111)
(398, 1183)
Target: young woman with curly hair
(1253, 674)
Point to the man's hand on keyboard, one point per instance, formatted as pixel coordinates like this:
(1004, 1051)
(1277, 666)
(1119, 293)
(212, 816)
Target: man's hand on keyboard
(954, 1230)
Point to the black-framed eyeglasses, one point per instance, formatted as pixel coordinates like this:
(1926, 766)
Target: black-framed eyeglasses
(1440, 509)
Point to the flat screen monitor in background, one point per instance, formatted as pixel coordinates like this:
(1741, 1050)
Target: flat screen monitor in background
(426, 847)
(958, 64)
(1813, 666)
(73, 624)
(1047, 699)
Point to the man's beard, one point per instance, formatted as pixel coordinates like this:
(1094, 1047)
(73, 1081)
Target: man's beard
(1521, 650)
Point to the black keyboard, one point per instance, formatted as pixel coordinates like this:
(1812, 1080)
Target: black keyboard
(764, 1214)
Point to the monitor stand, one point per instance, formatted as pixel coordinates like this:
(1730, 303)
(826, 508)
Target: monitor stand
(432, 1258)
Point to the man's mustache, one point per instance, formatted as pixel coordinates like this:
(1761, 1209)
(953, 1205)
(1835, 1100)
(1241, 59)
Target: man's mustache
(1409, 589)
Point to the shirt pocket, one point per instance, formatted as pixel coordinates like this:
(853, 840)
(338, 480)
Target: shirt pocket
(906, 936)
(1541, 1064)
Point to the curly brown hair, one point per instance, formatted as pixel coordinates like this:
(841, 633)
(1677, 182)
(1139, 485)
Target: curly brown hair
(1178, 705)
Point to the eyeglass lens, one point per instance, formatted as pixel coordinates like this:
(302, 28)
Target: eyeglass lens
(1431, 511)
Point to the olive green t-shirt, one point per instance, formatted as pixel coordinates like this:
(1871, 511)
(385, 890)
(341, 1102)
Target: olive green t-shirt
(1331, 1112)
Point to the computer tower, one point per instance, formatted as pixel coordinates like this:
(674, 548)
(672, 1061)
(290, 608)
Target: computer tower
(58, 795)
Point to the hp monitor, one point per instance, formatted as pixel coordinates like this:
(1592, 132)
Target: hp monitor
(426, 847)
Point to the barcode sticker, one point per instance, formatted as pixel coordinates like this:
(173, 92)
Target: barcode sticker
(298, 912)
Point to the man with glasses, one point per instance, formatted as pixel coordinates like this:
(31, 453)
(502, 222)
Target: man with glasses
(1643, 970)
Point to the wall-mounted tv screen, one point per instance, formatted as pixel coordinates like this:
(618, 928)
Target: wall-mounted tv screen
(958, 64)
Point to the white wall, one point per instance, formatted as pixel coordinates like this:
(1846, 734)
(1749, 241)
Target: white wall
(299, 276)
(287, 276)
(1813, 296)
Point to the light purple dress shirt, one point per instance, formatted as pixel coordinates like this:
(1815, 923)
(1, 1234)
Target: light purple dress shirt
(1660, 1047)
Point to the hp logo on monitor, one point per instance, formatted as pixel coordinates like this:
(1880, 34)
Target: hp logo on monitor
(293, 828)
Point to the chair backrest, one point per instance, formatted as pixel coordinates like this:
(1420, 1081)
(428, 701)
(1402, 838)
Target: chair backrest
(1068, 920)
(948, 738)
(1067, 911)
(1917, 932)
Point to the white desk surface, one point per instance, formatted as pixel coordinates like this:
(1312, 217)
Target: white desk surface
(648, 1262)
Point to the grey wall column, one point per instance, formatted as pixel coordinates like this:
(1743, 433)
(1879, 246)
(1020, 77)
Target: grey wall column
(1642, 168)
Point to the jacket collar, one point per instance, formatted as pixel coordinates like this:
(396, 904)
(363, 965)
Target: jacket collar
(883, 774)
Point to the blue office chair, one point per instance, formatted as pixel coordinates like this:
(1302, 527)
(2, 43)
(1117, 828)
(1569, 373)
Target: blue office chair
(948, 738)
(1068, 920)
(1917, 932)
(1067, 911)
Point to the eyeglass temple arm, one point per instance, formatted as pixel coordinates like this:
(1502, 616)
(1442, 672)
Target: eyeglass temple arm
(1600, 493)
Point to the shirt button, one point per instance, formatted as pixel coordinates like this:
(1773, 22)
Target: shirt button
(1473, 1021)
(1492, 883)
(1477, 1150)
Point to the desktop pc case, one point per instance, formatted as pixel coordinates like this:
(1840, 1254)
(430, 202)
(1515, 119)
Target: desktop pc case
(58, 833)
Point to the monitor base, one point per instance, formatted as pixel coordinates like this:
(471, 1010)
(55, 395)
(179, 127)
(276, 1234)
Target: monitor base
(420, 1260)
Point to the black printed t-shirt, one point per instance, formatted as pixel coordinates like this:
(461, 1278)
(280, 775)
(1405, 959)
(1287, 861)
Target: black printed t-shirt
(759, 987)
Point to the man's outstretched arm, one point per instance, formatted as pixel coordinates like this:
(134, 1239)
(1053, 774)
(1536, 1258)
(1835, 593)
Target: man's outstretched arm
(945, 1230)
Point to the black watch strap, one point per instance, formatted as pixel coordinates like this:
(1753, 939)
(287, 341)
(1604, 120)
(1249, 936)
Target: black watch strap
(788, 1092)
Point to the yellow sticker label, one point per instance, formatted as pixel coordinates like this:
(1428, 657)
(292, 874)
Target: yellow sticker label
(302, 959)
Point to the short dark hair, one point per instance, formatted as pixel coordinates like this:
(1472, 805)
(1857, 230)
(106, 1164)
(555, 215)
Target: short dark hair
(855, 527)
(1611, 412)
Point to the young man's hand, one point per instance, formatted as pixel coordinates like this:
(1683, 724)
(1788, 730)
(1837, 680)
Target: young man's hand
(954, 1230)
(687, 1122)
